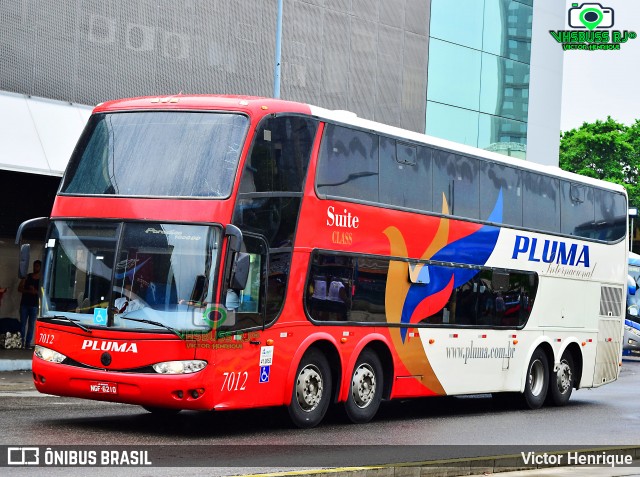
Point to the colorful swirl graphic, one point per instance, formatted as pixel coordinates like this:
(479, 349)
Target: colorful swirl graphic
(407, 303)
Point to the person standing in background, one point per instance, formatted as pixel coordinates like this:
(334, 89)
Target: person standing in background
(29, 287)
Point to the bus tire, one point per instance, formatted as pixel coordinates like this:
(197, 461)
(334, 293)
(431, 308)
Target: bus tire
(365, 388)
(161, 411)
(561, 381)
(537, 380)
(311, 390)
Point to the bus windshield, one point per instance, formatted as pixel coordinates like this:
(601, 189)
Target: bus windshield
(123, 153)
(117, 274)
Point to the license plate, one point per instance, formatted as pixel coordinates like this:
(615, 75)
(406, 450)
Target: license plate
(103, 388)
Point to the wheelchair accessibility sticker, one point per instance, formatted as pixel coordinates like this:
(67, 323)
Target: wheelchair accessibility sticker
(264, 374)
(100, 316)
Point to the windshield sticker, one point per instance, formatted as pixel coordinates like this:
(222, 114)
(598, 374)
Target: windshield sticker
(100, 316)
(266, 355)
(176, 234)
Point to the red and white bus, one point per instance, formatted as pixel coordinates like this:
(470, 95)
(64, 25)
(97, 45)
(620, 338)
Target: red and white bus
(222, 252)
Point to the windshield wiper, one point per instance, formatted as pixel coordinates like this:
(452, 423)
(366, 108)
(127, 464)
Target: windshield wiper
(73, 322)
(156, 323)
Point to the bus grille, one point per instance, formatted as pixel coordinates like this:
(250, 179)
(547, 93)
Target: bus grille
(610, 301)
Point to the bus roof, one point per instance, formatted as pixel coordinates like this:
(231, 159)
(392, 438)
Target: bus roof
(256, 106)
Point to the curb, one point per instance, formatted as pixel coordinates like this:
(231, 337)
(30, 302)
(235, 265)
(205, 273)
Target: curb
(465, 466)
(15, 365)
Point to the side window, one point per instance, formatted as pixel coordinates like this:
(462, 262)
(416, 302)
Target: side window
(495, 178)
(342, 288)
(277, 165)
(368, 292)
(542, 202)
(329, 287)
(246, 307)
(405, 175)
(456, 178)
(348, 164)
(274, 218)
(611, 215)
(577, 210)
(490, 298)
(280, 155)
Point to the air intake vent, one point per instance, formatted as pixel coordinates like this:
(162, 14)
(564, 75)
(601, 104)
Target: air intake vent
(610, 301)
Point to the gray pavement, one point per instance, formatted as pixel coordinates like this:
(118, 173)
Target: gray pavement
(15, 377)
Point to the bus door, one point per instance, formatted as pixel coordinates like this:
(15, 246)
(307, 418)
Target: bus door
(238, 325)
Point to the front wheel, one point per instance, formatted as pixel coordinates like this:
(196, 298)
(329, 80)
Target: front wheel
(311, 390)
(365, 391)
(561, 382)
(535, 389)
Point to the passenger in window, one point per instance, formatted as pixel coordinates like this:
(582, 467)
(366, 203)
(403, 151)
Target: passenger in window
(319, 288)
(247, 184)
(232, 300)
(337, 291)
(487, 301)
(129, 301)
(499, 307)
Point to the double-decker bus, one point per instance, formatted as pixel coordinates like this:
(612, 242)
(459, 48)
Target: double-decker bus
(222, 252)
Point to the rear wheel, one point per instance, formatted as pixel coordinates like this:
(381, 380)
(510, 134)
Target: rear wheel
(365, 391)
(537, 384)
(561, 382)
(311, 390)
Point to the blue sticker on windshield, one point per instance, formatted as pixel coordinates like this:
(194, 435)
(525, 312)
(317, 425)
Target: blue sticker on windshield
(100, 316)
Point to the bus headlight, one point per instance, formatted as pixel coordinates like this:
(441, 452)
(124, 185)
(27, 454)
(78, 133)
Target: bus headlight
(179, 367)
(48, 354)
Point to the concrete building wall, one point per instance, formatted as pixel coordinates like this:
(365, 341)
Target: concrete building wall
(367, 56)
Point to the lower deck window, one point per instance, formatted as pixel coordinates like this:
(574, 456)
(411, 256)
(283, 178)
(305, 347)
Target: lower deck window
(354, 289)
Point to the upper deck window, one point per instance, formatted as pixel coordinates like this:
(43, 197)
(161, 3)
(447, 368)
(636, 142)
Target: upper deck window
(156, 154)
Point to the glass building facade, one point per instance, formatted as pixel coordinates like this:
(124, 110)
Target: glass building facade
(478, 73)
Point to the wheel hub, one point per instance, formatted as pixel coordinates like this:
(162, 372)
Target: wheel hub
(536, 377)
(309, 388)
(563, 377)
(363, 385)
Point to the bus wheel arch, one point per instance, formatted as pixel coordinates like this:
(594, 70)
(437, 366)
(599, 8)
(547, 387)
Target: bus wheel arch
(383, 352)
(314, 384)
(370, 382)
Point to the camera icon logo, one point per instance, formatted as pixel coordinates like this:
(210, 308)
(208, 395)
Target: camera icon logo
(590, 16)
